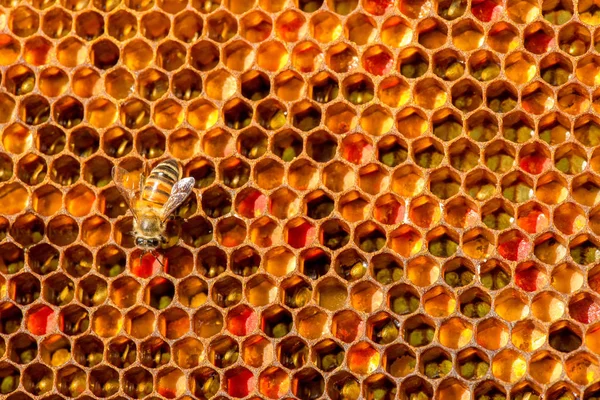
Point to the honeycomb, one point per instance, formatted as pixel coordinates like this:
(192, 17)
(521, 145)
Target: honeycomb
(393, 199)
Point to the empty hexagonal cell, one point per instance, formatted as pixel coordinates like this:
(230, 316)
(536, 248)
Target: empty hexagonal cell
(89, 25)
(408, 181)
(430, 94)
(107, 321)
(122, 25)
(260, 290)
(56, 23)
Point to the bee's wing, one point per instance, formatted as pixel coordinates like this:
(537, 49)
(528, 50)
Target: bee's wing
(120, 177)
(181, 190)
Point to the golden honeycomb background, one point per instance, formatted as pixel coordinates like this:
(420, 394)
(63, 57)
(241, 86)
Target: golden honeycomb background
(394, 199)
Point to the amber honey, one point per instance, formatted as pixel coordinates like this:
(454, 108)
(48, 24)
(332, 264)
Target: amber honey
(393, 199)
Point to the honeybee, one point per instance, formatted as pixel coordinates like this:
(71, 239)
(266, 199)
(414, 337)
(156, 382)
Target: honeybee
(160, 194)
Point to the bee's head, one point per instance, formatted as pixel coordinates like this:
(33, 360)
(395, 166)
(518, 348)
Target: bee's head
(147, 243)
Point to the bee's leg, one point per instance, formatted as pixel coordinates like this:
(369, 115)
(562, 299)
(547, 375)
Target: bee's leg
(156, 255)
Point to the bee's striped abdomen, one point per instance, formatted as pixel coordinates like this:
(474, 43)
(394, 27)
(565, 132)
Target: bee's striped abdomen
(157, 187)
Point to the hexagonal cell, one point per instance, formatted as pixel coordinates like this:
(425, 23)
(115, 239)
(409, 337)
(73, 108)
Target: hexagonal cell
(393, 91)
(458, 272)
(418, 331)
(586, 131)
(137, 383)
(22, 349)
(260, 290)
(35, 110)
(448, 65)
(205, 382)
(306, 57)
(574, 39)
(416, 387)
(362, 358)
(474, 303)
(212, 262)
(556, 69)
(334, 234)
(58, 290)
(461, 212)
(15, 196)
(291, 26)
(13, 259)
(280, 261)
(582, 369)
(331, 294)
(321, 146)
(72, 381)
(406, 241)
(478, 243)
(497, 214)
(511, 305)
(227, 292)
(223, 352)
(27, 230)
(464, 155)
(13, 317)
(342, 58)
(366, 297)
(517, 187)
(89, 25)
(289, 86)
(122, 25)
(403, 299)
(56, 23)
(435, 363)
(19, 80)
